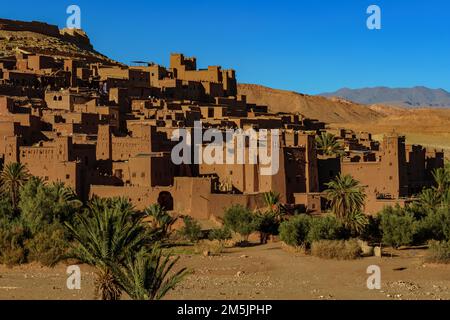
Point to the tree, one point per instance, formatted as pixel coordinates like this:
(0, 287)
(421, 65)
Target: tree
(429, 199)
(146, 276)
(266, 223)
(346, 198)
(397, 226)
(328, 145)
(294, 232)
(191, 230)
(239, 219)
(442, 178)
(161, 220)
(42, 205)
(104, 239)
(13, 176)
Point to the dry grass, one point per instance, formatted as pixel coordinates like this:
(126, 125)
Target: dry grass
(336, 249)
(439, 252)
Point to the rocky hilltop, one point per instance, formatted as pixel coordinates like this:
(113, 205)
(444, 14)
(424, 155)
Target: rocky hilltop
(42, 38)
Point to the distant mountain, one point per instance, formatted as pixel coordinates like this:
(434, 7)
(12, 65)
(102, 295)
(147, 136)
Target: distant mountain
(405, 97)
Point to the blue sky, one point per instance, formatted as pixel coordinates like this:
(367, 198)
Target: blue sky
(310, 46)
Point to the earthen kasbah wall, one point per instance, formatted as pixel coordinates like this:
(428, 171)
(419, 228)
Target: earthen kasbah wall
(107, 130)
(34, 26)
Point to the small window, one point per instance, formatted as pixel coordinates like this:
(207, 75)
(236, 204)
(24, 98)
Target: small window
(67, 176)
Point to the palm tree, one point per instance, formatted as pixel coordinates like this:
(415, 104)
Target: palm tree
(161, 220)
(272, 201)
(13, 177)
(328, 145)
(65, 195)
(103, 240)
(346, 197)
(442, 178)
(429, 199)
(146, 275)
(356, 222)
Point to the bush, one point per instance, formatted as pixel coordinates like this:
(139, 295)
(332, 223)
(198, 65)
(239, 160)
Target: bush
(325, 228)
(266, 224)
(240, 220)
(48, 245)
(221, 234)
(336, 249)
(439, 252)
(434, 226)
(192, 230)
(294, 231)
(372, 232)
(41, 205)
(209, 247)
(12, 238)
(397, 227)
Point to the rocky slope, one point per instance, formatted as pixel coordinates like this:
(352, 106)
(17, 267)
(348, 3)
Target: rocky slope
(42, 38)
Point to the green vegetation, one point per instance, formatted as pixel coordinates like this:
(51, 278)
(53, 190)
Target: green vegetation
(48, 224)
(346, 198)
(328, 145)
(294, 232)
(240, 220)
(325, 228)
(191, 230)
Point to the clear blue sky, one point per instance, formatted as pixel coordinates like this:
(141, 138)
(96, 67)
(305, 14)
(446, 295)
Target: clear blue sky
(309, 46)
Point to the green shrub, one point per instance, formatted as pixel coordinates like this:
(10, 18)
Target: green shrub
(439, 251)
(336, 249)
(397, 227)
(221, 234)
(41, 204)
(434, 226)
(6, 209)
(240, 220)
(12, 238)
(371, 232)
(48, 245)
(192, 230)
(294, 232)
(325, 228)
(266, 224)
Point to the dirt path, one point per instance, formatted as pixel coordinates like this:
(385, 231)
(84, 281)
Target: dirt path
(260, 272)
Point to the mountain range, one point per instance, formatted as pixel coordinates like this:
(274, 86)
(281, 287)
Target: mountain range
(417, 97)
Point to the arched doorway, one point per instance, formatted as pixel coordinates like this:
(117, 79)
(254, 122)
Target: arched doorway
(165, 200)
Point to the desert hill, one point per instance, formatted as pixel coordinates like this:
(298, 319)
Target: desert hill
(42, 38)
(316, 107)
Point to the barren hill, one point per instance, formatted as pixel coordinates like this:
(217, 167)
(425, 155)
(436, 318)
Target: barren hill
(321, 108)
(43, 38)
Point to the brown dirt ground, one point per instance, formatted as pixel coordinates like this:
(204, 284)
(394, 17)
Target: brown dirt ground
(260, 272)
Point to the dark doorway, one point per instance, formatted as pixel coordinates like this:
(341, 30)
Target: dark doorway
(165, 200)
